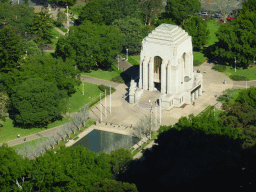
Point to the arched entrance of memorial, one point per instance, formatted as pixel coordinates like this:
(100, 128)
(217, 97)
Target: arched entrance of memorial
(157, 72)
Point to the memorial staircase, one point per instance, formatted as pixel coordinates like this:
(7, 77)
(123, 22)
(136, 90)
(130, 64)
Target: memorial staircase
(146, 96)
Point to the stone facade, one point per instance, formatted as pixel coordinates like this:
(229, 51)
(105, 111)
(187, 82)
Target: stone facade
(166, 64)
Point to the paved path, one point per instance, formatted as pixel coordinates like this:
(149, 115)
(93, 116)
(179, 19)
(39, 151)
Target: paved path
(98, 81)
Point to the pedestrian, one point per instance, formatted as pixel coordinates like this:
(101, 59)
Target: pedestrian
(18, 135)
(131, 125)
(25, 139)
(224, 82)
(215, 94)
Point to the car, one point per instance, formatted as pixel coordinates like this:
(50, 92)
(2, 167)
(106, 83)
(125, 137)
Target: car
(217, 15)
(204, 14)
(229, 18)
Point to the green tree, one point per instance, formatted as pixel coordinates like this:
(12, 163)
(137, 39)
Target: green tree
(61, 18)
(3, 104)
(197, 28)
(247, 96)
(179, 10)
(42, 26)
(90, 45)
(151, 9)
(238, 38)
(249, 5)
(32, 48)
(37, 102)
(133, 32)
(108, 185)
(11, 48)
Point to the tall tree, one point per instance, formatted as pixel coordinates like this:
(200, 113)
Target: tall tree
(36, 102)
(3, 104)
(179, 10)
(238, 39)
(133, 32)
(197, 28)
(90, 45)
(11, 48)
(61, 18)
(151, 9)
(31, 48)
(42, 26)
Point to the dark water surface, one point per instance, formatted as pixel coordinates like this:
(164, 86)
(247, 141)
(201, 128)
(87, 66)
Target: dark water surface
(98, 140)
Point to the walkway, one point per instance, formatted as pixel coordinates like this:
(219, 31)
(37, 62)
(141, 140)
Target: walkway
(98, 81)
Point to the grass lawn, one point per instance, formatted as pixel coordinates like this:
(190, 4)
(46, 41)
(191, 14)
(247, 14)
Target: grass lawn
(9, 132)
(33, 142)
(213, 27)
(133, 59)
(77, 100)
(56, 36)
(250, 73)
(89, 123)
(106, 75)
(199, 56)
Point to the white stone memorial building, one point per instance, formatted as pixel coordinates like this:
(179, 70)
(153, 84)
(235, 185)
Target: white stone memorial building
(166, 65)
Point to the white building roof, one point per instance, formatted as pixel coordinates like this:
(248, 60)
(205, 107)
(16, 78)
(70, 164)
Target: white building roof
(167, 34)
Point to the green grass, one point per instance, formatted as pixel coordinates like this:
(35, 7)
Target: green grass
(133, 59)
(213, 27)
(106, 75)
(199, 56)
(77, 100)
(250, 73)
(9, 132)
(33, 142)
(89, 123)
(54, 40)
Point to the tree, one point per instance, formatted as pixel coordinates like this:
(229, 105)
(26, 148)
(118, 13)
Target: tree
(62, 74)
(151, 9)
(226, 7)
(90, 45)
(3, 104)
(197, 28)
(31, 49)
(238, 39)
(179, 10)
(247, 96)
(249, 5)
(108, 185)
(133, 32)
(61, 18)
(42, 26)
(37, 102)
(11, 48)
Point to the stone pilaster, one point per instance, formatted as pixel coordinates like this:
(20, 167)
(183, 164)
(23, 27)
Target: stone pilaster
(163, 77)
(145, 73)
(150, 74)
(141, 75)
(169, 77)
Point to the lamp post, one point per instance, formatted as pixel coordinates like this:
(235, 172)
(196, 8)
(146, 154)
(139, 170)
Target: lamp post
(100, 109)
(235, 64)
(118, 62)
(67, 18)
(126, 54)
(105, 104)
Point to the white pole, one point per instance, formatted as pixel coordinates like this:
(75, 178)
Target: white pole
(18, 1)
(110, 99)
(26, 53)
(83, 87)
(160, 100)
(126, 54)
(156, 114)
(105, 104)
(235, 64)
(100, 109)
(151, 122)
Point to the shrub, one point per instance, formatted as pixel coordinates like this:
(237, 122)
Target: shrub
(103, 87)
(238, 78)
(220, 68)
(118, 79)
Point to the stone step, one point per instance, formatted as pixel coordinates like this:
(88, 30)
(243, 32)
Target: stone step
(149, 95)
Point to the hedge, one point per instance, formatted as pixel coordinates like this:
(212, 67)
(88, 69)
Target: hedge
(220, 68)
(238, 78)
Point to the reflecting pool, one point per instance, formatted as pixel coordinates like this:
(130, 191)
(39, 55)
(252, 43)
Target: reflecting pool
(98, 140)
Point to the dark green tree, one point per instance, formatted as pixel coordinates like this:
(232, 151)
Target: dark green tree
(133, 32)
(42, 26)
(90, 45)
(238, 38)
(3, 104)
(179, 10)
(197, 28)
(11, 48)
(249, 5)
(247, 96)
(37, 102)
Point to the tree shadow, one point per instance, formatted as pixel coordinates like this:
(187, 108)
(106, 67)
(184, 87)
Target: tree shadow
(191, 160)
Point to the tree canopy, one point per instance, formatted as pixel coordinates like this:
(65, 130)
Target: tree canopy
(238, 39)
(90, 45)
(11, 48)
(197, 28)
(179, 10)
(133, 32)
(36, 102)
